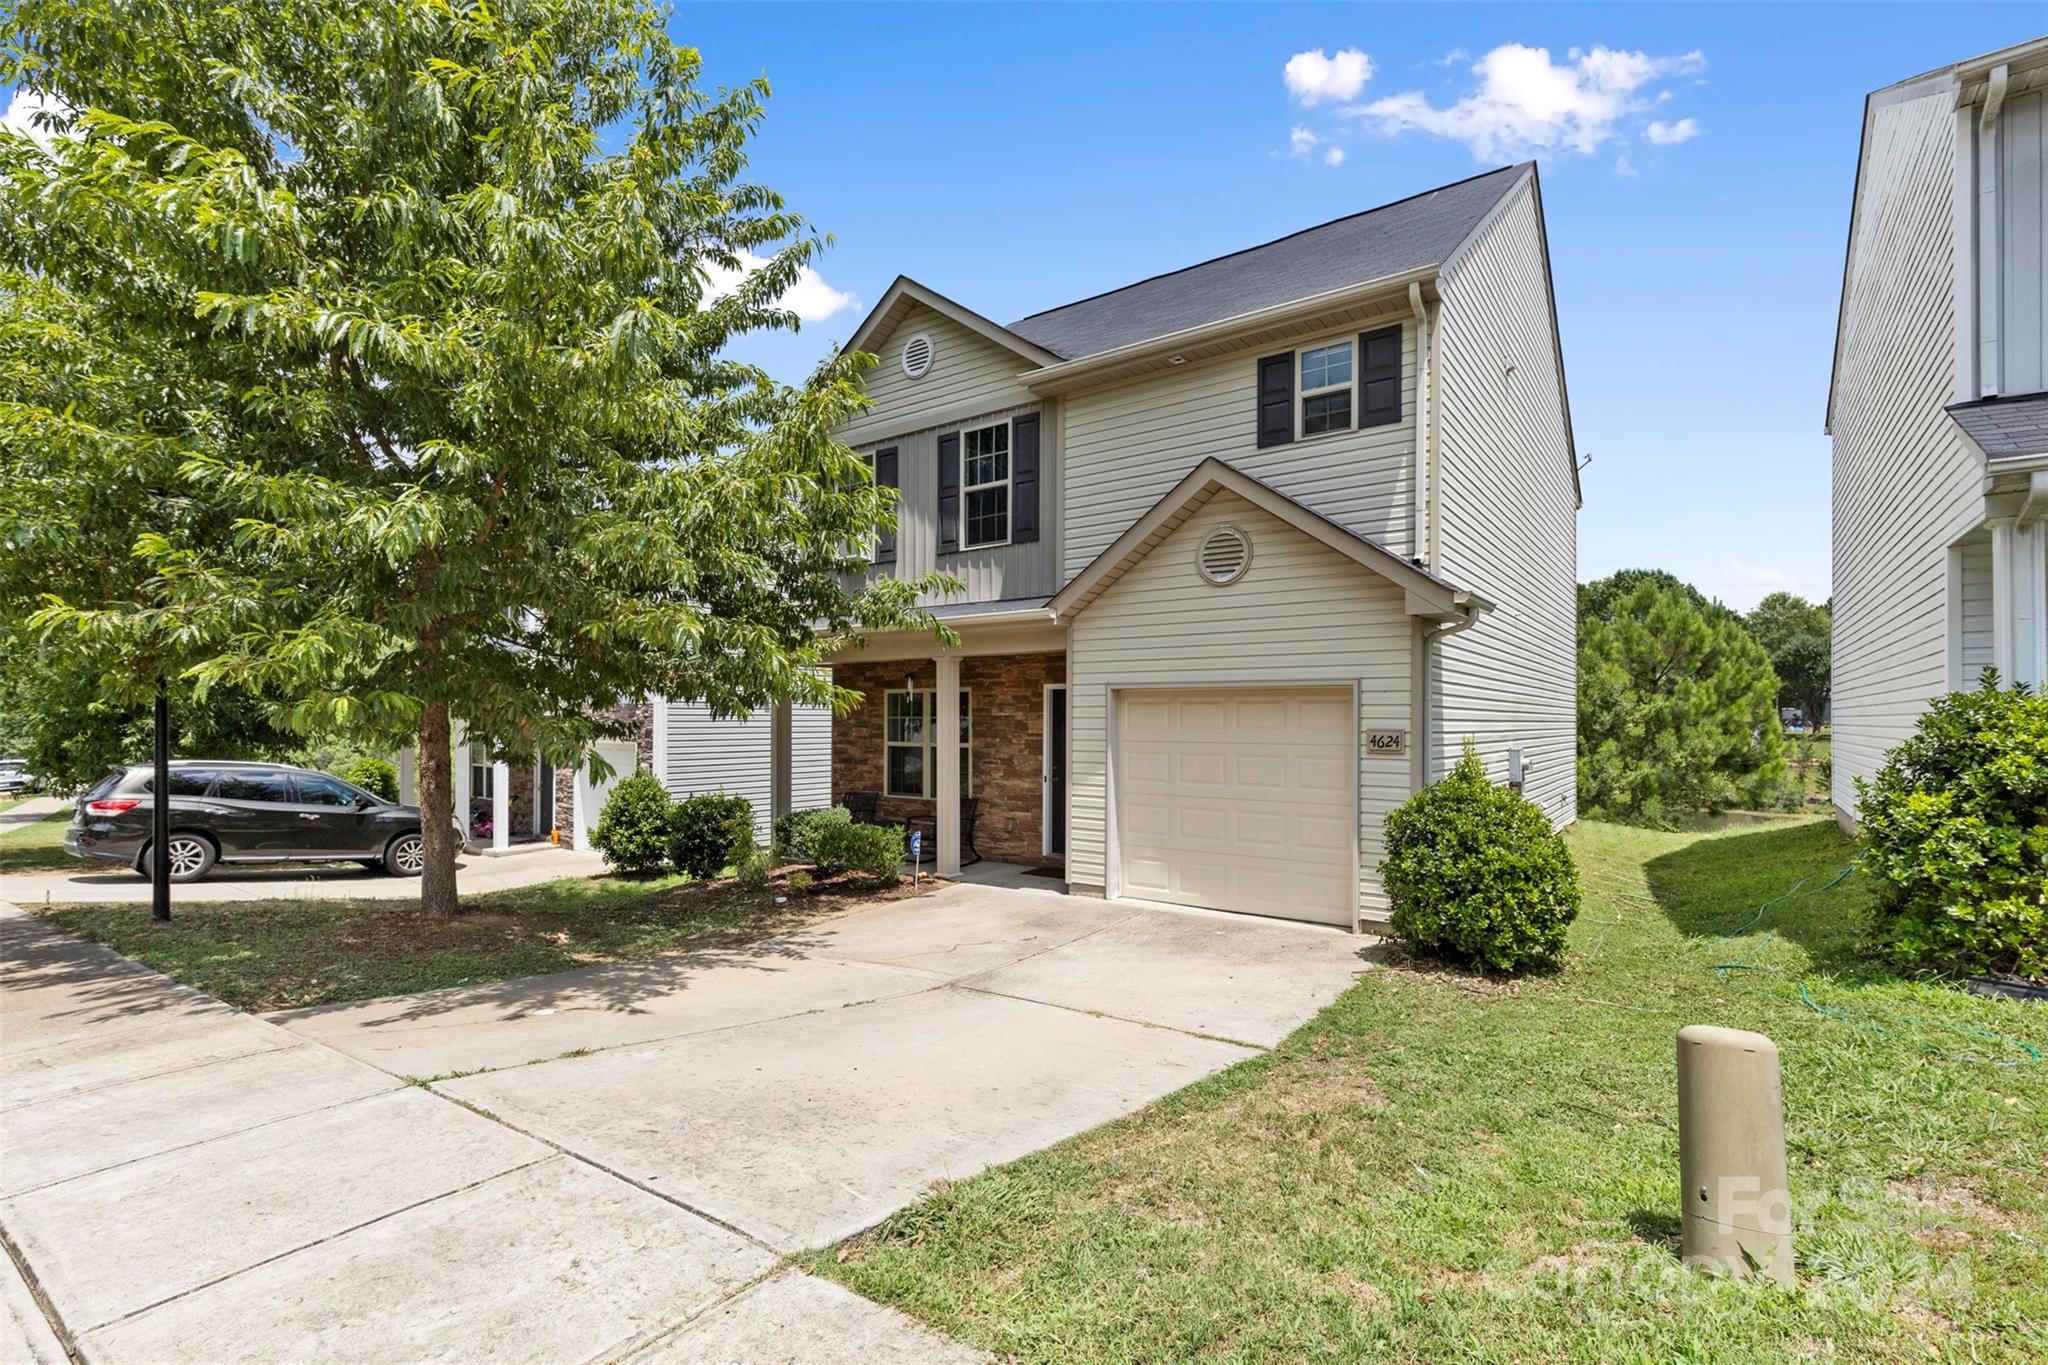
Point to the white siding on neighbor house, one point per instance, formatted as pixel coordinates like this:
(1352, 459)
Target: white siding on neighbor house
(1128, 444)
(1508, 517)
(705, 754)
(1906, 487)
(1974, 563)
(1301, 614)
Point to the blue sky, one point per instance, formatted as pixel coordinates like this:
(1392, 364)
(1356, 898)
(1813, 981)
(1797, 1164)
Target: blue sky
(1017, 157)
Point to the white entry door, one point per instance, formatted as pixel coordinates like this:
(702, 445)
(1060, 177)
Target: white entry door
(1239, 799)
(591, 797)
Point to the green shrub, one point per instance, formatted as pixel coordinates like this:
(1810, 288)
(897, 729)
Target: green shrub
(752, 867)
(712, 830)
(1475, 872)
(799, 881)
(1955, 833)
(638, 825)
(377, 776)
(796, 833)
(871, 850)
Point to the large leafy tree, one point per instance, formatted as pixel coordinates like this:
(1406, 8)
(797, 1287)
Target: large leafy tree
(1677, 710)
(1797, 634)
(372, 358)
(1603, 597)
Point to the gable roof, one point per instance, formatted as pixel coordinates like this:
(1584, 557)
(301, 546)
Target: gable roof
(2005, 428)
(1428, 595)
(1408, 234)
(904, 293)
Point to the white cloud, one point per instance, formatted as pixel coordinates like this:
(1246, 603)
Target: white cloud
(1334, 157)
(1300, 141)
(1525, 102)
(1626, 168)
(1670, 134)
(810, 298)
(1453, 57)
(1313, 77)
(26, 103)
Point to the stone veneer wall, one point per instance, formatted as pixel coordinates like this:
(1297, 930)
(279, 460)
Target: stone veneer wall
(565, 778)
(1008, 699)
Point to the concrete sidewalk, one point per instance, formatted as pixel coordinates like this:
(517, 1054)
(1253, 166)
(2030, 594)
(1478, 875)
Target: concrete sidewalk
(101, 882)
(184, 1182)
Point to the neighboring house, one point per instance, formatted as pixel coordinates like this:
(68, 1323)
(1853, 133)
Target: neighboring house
(1248, 551)
(1939, 404)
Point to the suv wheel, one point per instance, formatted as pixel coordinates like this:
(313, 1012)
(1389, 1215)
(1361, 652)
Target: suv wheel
(407, 856)
(191, 858)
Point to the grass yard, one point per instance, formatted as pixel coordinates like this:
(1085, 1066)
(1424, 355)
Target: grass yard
(1443, 1167)
(39, 847)
(278, 954)
(1808, 763)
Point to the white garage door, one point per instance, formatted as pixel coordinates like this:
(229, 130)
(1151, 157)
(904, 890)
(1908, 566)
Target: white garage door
(1239, 799)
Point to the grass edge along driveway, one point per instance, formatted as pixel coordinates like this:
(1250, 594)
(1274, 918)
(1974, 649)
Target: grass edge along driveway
(1441, 1166)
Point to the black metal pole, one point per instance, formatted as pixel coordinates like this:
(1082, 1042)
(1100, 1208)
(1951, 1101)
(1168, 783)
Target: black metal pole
(160, 810)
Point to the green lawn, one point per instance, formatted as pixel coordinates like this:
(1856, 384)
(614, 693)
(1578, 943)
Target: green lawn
(39, 847)
(1441, 1167)
(277, 954)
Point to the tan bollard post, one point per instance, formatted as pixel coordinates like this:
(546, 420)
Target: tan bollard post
(1731, 1154)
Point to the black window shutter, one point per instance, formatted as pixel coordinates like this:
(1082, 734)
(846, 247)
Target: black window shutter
(1024, 479)
(1276, 400)
(1379, 377)
(949, 493)
(886, 477)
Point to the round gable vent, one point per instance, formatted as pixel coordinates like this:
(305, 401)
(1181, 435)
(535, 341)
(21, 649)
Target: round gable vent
(1225, 554)
(917, 355)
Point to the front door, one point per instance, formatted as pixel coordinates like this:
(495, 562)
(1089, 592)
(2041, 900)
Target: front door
(1055, 769)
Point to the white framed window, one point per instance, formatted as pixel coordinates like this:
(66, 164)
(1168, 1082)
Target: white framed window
(985, 485)
(1326, 384)
(910, 723)
(481, 771)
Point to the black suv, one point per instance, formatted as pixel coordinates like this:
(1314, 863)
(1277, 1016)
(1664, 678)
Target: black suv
(245, 813)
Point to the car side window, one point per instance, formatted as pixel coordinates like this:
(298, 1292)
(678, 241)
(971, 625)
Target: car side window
(325, 791)
(186, 783)
(256, 787)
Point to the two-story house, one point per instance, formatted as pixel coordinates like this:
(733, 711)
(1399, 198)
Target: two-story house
(1938, 406)
(1248, 550)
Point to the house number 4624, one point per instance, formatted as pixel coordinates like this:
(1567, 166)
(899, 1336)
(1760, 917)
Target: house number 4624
(1386, 741)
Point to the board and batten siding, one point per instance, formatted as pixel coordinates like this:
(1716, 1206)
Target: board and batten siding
(1906, 487)
(972, 382)
(2023, 210)
(1508, 517)
(1128, 444)
(1301, 615)
(704, 753)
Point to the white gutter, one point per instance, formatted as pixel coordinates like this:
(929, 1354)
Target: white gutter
(1224, 328)
(1425, 466)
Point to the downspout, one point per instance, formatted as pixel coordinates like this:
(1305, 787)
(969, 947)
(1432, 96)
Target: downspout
(1425, 674)
(1425, 472)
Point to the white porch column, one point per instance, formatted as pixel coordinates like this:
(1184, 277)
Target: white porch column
(946, 753)
(2004, 645)
(781, 761)
(408, 776)
(501, 806)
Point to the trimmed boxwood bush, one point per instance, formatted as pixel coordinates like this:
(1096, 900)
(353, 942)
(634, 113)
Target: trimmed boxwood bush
(712, 830)
(1476, 873)
(797, 832)
(638, 825)
(1955, 834)
(377, 776)
(871, 850)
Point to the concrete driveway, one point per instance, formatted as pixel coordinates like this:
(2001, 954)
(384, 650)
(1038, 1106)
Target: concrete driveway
(629, 1149)
(103, 882)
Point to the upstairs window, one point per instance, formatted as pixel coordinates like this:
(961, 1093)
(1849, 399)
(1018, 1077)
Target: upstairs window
(1326, 375)
(985, 483)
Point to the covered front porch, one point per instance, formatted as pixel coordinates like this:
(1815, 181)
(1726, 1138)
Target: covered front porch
(999, 795)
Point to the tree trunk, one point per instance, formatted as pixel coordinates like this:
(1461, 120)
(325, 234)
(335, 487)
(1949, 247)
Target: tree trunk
(437, 813)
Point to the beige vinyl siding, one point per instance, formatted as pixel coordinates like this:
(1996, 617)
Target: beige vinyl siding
(810, 742)
(1974, 562)
(1301, 615)
(969, 374)
(1905, 485)
(1128, 444)
(1509, 521)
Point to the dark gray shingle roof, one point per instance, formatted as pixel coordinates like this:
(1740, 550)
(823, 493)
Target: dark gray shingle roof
(2006, 427)
(1405, 235)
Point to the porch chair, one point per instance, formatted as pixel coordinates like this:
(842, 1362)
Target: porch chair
(970, 810)
(861, 806)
